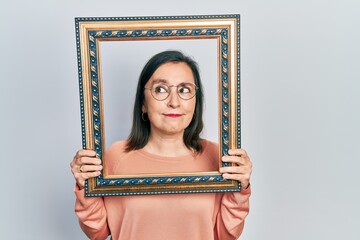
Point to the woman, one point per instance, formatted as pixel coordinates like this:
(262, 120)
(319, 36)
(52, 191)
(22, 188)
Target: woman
(165, 137)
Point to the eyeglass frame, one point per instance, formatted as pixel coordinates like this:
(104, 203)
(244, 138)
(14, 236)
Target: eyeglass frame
(170, 86)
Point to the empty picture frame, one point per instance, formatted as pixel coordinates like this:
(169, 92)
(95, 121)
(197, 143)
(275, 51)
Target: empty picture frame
(220, 31)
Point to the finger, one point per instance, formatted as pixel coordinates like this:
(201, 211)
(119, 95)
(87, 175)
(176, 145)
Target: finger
(234, 159)
(85, 153)
(238, 170)
(230, 176)
(90, 168)
(88, 161)
(229, 170)
(237, 177)
(237, 152)
(82, 176)
(81, 184)
(88, 175)
(244, 180)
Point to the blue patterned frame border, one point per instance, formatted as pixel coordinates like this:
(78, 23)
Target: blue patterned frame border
(89, 31)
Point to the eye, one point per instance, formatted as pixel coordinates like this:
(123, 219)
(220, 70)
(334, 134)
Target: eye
(160, 89)
(184, 90)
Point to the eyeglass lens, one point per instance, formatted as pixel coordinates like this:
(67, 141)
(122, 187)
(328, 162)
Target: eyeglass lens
(161, 91)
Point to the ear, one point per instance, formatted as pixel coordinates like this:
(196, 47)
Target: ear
(143, 108)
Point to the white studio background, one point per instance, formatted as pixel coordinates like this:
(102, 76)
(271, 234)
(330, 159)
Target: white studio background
(300, 83)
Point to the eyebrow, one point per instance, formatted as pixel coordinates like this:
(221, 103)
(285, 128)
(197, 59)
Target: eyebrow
(160, 80)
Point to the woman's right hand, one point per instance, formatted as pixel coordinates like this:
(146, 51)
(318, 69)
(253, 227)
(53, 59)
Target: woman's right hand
(85, 165)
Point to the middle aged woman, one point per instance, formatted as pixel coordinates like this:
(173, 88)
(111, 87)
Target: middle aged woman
(165, 137)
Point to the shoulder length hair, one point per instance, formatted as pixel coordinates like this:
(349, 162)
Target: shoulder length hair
(140, 131)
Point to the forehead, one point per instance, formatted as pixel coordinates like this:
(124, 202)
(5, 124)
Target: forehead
(173, 73)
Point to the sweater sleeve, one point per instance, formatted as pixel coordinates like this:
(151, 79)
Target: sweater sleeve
(234, 207)
(92, 216)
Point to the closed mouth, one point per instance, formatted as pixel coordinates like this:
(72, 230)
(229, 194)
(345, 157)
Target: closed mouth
(173, 115)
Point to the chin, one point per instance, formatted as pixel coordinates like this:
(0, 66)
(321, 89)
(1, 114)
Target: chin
(173, 131)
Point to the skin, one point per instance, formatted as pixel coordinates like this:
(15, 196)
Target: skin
(167, 132)
(166, 136)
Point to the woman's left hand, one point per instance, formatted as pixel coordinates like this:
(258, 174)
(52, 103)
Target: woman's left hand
(242, 169)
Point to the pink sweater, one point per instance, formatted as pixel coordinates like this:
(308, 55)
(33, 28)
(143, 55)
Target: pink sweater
(202, 216)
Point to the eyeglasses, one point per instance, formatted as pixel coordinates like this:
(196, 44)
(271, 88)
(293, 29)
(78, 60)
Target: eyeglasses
(161, 91)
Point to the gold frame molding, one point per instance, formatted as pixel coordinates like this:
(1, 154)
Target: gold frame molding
(90, 31)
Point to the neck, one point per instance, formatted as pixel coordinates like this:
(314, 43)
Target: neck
(165, 145)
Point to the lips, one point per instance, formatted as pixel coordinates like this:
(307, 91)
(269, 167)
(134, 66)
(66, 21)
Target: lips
(173, 115)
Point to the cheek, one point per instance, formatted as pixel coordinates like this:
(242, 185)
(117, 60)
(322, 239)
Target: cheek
(148, 104)
(154, 109)
(190, 111)
(192, 105)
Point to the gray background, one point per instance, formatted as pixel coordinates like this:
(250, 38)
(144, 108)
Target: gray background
(300, 108)
(121, 64)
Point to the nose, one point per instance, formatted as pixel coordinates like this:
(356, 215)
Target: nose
(173, 99)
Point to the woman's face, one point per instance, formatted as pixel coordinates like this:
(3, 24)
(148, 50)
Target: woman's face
(174, 114)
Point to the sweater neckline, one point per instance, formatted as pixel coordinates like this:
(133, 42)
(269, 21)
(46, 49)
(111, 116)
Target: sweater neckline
(160, 158)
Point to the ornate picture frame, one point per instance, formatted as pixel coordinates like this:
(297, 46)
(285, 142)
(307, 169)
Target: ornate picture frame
(91, 31)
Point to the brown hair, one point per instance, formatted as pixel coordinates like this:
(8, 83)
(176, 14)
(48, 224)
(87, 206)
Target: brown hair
(140, 131)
